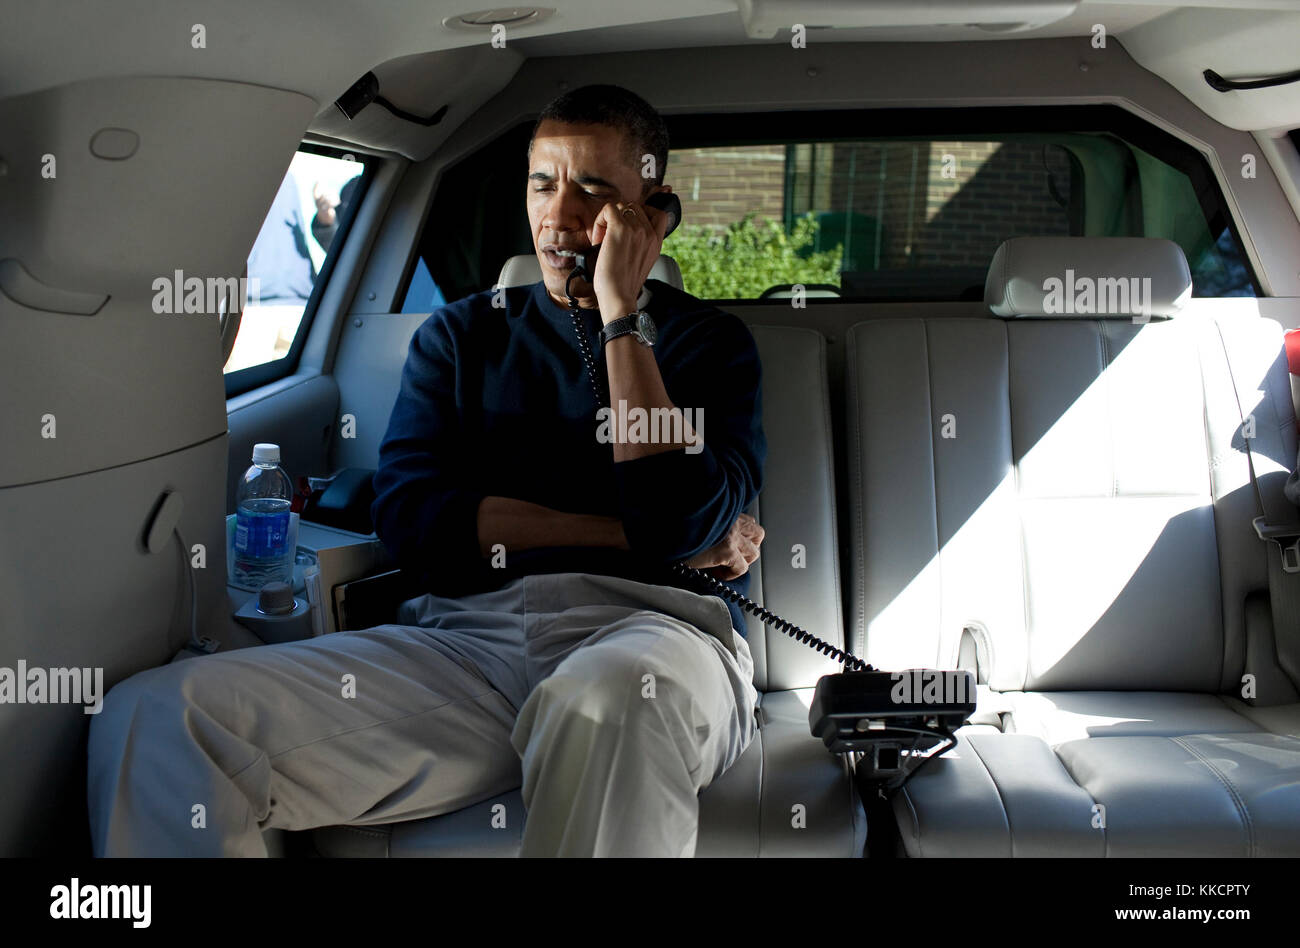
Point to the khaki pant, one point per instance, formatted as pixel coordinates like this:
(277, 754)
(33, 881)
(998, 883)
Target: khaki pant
(611, 703)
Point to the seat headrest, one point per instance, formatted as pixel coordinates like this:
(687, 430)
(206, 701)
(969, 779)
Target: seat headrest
(1088, 277)
(524, 269)
(520, 271)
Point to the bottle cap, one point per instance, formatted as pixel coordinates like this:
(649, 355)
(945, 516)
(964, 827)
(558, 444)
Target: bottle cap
(276, 599)
(268, 453)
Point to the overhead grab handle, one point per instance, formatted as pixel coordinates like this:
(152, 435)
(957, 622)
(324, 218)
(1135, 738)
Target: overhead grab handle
(366, 90)
(1219, 84)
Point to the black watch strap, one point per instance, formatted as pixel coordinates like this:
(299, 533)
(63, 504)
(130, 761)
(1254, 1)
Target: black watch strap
(619, 327)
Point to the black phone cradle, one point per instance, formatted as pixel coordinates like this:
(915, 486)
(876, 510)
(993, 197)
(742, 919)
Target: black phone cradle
(894, 720)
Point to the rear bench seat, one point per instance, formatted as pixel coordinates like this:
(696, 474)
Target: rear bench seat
(1065, 503)
(786, 796)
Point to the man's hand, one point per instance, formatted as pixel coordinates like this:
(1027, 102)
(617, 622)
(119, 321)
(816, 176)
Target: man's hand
(731, 557)
(631, 236)
(325, 205)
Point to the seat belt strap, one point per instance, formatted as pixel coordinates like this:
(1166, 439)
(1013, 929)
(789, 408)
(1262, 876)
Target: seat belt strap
(1278, 524)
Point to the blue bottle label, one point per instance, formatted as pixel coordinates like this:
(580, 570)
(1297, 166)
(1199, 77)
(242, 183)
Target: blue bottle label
(262, 536)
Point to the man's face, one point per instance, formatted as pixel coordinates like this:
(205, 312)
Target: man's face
(573, 172)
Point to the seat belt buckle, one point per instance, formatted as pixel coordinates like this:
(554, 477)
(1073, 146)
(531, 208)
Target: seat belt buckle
(1287, 538)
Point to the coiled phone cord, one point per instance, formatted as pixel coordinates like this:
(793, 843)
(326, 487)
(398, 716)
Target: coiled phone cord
(716, 586)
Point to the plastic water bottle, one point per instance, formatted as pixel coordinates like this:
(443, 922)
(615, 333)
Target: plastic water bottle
(262, 521)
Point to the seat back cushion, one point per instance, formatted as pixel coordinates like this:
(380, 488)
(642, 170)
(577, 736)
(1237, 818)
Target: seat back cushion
(797, 575)
(1045, 483)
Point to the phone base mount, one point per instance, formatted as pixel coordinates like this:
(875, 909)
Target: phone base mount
(894, 720)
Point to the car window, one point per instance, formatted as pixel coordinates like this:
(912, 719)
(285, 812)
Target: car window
(898, 204)
(484, 194)
(302, 229)
(920, 219)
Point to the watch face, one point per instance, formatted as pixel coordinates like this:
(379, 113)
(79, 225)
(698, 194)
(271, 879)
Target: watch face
(646, 327)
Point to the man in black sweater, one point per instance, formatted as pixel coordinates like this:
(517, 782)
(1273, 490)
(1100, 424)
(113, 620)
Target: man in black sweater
(554, 652)
(495, 466)
(496, 437)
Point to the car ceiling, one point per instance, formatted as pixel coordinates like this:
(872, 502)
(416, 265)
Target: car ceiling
(319, 48)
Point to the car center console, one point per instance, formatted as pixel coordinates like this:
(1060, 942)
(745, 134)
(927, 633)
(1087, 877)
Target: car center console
(328, 561)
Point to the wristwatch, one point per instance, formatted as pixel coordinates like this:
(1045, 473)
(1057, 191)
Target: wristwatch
(638, 324)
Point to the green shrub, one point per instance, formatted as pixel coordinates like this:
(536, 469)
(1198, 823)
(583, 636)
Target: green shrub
(749, 257)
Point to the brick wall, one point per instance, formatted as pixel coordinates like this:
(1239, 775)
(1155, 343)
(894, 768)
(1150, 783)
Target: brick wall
(718, 186)
(1000, 191)
(922, 218)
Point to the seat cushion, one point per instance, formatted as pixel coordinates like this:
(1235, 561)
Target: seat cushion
(785, 796)
(1193, 795)
(1111, 774)
(996, 795)
(1058, 717)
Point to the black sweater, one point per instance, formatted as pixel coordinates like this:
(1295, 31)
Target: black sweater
(496, 401)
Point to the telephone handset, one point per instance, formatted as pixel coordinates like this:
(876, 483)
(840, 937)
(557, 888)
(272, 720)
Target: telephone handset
(585, 266)
(585, 260)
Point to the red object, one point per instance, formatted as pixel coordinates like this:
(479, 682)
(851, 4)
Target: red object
(300, 499)
(1293, 350)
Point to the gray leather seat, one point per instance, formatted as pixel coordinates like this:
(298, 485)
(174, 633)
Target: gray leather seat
(1063, 501)
(785, 773)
